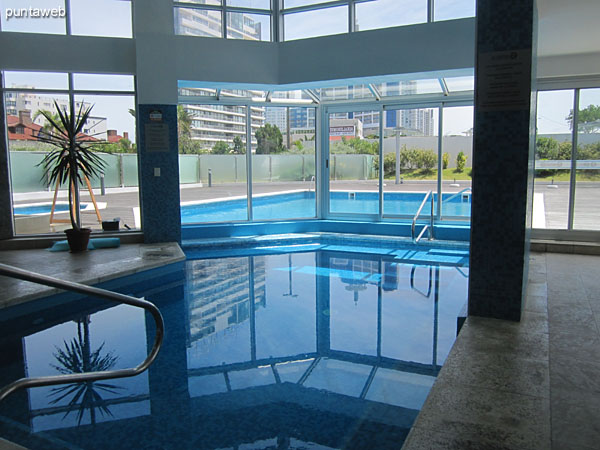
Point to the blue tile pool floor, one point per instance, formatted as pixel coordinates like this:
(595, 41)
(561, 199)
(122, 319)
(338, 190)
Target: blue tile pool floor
(318, 348)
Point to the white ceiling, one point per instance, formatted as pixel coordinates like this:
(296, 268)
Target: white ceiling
(568, 27)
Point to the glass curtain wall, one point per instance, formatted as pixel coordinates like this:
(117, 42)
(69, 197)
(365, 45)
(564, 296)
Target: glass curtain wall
(564, 200)
(230, 19)
(283, 164)
(214, 163)
(353, 162)
(109, 18)
(410, 159)
(456, 161)
(42, 208)
(586, 214)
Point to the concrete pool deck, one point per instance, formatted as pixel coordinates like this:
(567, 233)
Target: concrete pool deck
(505, 385)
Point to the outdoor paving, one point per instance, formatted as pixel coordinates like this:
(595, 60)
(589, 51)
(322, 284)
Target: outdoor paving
(552, 211)
(121, 201)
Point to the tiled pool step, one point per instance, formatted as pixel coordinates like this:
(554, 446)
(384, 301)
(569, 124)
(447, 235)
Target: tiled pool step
(400, 249)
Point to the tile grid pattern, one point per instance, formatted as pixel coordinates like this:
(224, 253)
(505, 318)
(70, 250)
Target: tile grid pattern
(528, 385)
(161, 218)
(501, 156)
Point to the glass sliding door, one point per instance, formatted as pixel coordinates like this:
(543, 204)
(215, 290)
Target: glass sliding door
(456, 161)
(586, 214)
(553, 160)
(283, 163)
(410, 159)
(212, 163)
(353, 162)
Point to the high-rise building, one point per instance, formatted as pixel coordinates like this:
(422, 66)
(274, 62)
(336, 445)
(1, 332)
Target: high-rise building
(219, 123)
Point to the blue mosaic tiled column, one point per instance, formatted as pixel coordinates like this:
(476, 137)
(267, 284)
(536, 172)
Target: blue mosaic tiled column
(6, 224)
(159, 173)
(502, 156)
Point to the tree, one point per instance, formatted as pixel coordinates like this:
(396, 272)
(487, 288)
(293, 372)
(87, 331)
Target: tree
(221, 148)
(239, 148)
(461, 160)
(269, 140)
(588, 118)
(445, 160)
(546, 148)
(47, 127)
(184, 132)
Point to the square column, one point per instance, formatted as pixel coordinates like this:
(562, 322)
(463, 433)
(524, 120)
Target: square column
(503, 154)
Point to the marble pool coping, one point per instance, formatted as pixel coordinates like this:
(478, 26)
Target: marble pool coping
(90, 267)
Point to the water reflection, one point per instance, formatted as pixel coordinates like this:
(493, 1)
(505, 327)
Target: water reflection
(78, 357)
(317, 349)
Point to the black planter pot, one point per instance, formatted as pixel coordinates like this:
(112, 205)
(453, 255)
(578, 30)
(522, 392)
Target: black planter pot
(78, 239)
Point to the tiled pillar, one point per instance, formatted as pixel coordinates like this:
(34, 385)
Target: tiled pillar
(502, 156)
(159, 173)
(6, 224)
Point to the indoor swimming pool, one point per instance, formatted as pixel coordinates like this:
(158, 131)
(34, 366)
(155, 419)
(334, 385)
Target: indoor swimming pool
(326, 347)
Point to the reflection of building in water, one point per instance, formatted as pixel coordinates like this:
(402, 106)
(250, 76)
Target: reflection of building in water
(219, 293)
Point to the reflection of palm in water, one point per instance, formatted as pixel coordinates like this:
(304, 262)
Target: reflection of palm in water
(77, 357)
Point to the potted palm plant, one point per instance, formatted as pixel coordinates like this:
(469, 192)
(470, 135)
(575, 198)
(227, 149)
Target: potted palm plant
(70, 161)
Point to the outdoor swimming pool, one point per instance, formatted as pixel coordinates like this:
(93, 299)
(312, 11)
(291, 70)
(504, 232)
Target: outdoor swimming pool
(45, 208)
(316, 348)
(302, 205)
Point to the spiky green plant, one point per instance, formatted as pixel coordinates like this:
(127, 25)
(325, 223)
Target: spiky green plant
(73, 159)
(77, 357)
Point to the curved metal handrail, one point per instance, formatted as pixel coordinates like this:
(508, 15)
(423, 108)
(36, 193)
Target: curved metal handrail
(426, 227)
(21, 274)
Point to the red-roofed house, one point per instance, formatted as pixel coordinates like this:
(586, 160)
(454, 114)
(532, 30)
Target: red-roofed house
(21, 127)
(113, 137)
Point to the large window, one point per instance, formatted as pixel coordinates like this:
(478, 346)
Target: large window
(110, 18)
(232, 19)
(301, 19)
(246, 162)
(567, 182)
(41, 208)
(253, 155)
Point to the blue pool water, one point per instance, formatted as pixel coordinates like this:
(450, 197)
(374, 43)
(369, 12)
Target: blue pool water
(44, 209)
(324, 349)
(302, 205)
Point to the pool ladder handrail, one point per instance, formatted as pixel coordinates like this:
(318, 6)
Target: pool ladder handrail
(52, 380)
(429, 226)
(459, 193)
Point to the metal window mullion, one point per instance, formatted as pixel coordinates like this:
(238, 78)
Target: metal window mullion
(224, 22)
(351, 17)
(440, 163)
(324, 164)
(298, 9)
(276, 21)
(430, 9)
(198, 6)
(247, 10)
(251, 298)
(68, 17)
(573, 178)
(249, 161)
(381, 141)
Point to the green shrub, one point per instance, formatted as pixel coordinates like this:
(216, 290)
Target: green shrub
(461, 160)
(445, 160)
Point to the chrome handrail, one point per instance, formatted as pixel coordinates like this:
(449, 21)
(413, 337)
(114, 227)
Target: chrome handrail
(426, 227)
(458, 193)
(21, 274)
